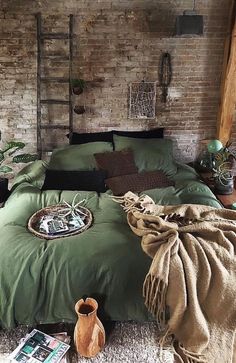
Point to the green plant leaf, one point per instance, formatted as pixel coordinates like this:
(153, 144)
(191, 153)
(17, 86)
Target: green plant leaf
(5, 169)
(24, 158)
(14, 144)
(78, 83)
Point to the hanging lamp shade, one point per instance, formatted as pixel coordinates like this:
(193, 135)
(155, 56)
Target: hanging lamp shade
(214, 146)
(190, 23)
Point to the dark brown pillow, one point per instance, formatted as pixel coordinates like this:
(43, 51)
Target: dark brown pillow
(138, 182)
(116, 163)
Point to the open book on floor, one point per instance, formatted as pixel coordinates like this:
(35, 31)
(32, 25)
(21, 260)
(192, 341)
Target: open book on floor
(38, 347)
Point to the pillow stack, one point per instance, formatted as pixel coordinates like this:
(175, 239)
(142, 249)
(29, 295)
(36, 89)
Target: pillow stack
(138, 182)
(76, 138)
(119, 160)
(74, 168)
(116, 163)
(149, 154)
(123, 175)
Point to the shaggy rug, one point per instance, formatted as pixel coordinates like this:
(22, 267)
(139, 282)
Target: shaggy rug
(126, 342)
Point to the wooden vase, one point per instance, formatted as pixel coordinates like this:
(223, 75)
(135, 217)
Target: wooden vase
(89, 333)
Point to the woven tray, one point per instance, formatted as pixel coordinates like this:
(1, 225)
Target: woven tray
(33, 223)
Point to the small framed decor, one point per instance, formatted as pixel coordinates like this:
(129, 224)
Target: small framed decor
(142, 100)
(60, 220)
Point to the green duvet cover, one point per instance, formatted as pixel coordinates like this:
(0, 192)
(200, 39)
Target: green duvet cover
(41, 280)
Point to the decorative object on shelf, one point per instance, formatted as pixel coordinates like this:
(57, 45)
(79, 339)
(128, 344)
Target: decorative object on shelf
(223, 179)
(142, 100)
(225, 154)
(214, 146)
(165, 75)
(60, 220)
(221, 166)
(233, 206)
(89, 333)
(203, 164)
(206, 160)
(78, 86)
(214, 154)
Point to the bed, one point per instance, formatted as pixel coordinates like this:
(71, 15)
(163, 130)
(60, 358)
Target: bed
(41, 280)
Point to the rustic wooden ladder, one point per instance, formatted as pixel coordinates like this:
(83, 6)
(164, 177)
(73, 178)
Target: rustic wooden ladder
(41, 36)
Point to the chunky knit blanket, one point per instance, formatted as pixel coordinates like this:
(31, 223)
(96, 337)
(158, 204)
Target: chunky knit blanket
(191, 285)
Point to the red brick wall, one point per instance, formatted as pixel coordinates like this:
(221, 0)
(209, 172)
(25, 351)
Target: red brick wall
(120, 42)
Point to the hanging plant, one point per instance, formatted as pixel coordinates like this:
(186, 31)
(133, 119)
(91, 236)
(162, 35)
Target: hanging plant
(223, 178)
(78, 86)
(79, 110)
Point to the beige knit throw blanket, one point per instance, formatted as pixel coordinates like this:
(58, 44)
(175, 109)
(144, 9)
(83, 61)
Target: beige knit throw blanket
(191, 285)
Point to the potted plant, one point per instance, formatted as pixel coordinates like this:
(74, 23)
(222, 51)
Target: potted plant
(223, 178)
(77, 86)
(79, 110)
(225, 154)
(222, 162)
(8, 156)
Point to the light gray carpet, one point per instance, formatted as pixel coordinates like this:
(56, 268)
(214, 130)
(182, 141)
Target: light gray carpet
(126, 343)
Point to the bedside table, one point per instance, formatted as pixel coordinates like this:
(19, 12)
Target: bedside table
(225, 199)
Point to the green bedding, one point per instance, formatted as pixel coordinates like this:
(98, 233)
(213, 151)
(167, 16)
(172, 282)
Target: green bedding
(41, 280)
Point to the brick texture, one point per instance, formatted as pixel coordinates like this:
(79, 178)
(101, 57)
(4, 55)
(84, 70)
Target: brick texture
(116, 42)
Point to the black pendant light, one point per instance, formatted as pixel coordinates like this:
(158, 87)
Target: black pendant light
(189, 23)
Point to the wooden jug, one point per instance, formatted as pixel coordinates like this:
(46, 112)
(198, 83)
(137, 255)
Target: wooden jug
(89, 333)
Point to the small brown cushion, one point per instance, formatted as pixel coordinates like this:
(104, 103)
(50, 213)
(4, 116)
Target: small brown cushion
(116, 163)
(138, 182)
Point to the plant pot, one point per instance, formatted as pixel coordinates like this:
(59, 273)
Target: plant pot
(89, 333)
(226, 187)
(4, 192)
(204, 162)
(79, 110)
(77, 90)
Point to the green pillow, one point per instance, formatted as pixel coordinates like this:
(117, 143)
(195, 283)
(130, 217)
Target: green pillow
(78, 157)
(149, 154)
(32, 173)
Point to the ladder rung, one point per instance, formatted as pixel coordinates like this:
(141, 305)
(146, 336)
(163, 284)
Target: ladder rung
(46, 149)
(63, 127)
(54, 36)
(55, 79)
(56, 57)
(61, 102)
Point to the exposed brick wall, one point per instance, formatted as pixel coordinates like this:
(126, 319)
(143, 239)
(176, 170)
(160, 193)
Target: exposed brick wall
(119, 41)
